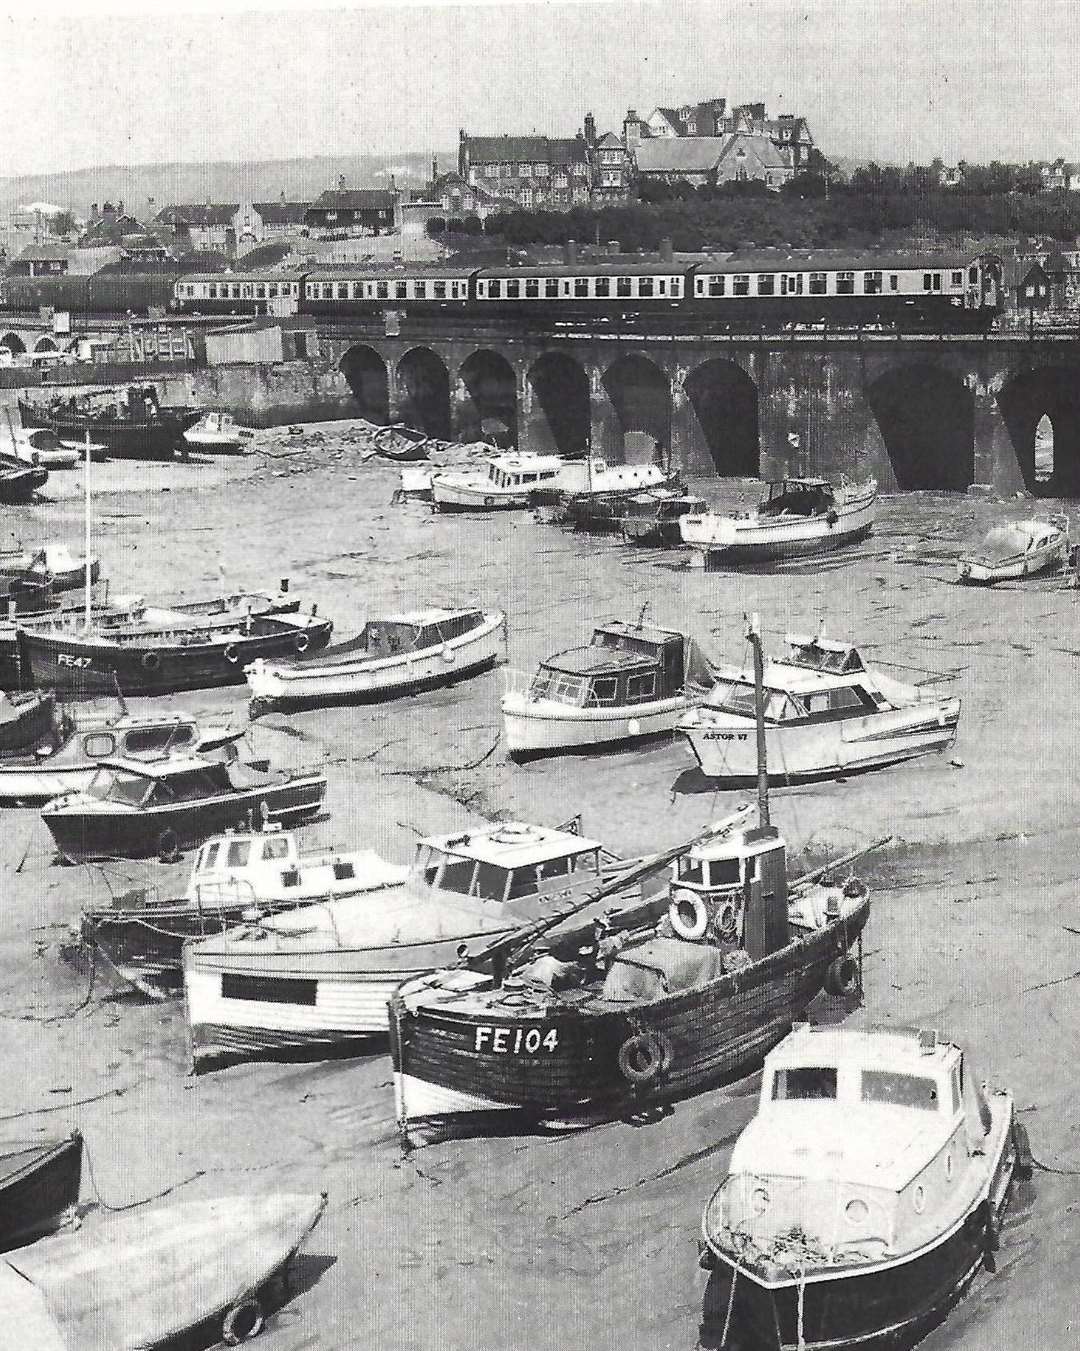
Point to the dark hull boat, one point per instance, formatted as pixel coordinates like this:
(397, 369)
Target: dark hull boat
(25, 721)
(39, 1188)
(137, 659)
(18, 480)
(138, 810)
(137, 429)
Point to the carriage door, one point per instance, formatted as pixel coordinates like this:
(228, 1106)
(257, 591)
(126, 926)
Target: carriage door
(791, 284)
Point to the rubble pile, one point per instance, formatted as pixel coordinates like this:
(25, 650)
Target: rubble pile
(300, 448)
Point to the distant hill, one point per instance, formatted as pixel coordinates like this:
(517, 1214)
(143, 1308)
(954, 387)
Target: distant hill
(221, 181)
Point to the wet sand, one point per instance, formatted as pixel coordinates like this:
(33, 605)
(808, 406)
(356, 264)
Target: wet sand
(582, 1240)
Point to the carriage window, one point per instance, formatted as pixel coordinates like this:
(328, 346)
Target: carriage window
(581, 286)
(958, 278)
(817, 284)
(551, 288)
(791, 284)
(357, 290)
(513, 289)
(645, 286)
(871, 283)
(931, 281)
(236, 293)
(900, 1090)
(845, 283)
(260, 292)
(717, 286)
(401, 290)
(766, 284)
(212, 292)
(806, 1082)
(532, 288)
(272, 290)
(420, 290)
(382, 290)
(661, 286)
(603, 287)
(343, 290)
(740, 284)
(893, 281)
(623, 286)
(494, 289)
(327, 291)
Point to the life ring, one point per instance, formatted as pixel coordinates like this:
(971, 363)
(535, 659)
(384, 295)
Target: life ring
(168, 846)
(842, 976)
(489, 501)
(150, 661)
(232, 654)
(688, 915)
(243, 1320)
(303, 642)
(644, 1057)
(726, 921)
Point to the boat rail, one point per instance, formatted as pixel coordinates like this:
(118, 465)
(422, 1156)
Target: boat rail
(235, 891)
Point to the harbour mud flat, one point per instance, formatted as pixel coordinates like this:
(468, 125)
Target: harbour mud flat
(582, 1240)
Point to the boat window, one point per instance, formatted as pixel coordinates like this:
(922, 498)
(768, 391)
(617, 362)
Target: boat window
(691, 870)
(129, 789)
(209, 856)
(604, 689)
(99, 745)
(239, 853)
(900, 1090)
(640, 688)
(807, 1081)
(157, 738)
(723, 872)
(343, 871)
(490, 882)
(738, 697)
(780, 708)
(276, 847)
(457, 875)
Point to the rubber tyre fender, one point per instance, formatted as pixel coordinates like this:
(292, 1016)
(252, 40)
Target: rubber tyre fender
(150, 661)
(243, 1321)
(168, 846)
(232, 654)
(302, 643)
(643, 1057)
(842, 976)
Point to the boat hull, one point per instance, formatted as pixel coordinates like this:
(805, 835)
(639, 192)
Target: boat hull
(858, 1309)
(725, 748)
(147, 440)
(973, 572)
(451, 496)
(543, 727)
(39, 1189)
(761, 538)
(451, 1067)
(81, 833)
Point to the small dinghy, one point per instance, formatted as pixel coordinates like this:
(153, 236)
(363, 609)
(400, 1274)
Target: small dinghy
(826, 713)
(1018, 549)
(398, 654)
(242, 875)
(143, 1279)
(864, 1195)
(39, 1187)
(797, 516)
(216, 431)
(631, 682)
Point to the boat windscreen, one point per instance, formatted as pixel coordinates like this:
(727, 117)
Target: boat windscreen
(738, 697)
(900, 1090)
(789, 499)
(1004, 541)
(804, 1082)
(109, 785)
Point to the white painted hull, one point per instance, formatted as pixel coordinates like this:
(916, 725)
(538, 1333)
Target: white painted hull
(536, 727)
(461, 495)
(759, 538)
(417, 1100)
(974, 572)
(725, 744)
(212, 441)
(33, 783)
(359, 678)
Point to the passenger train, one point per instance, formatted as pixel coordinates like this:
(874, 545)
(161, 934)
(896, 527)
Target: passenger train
(764, 289)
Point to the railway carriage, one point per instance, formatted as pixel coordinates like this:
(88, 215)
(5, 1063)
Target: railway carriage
(237, 292)
(359, 290)
(597, 292)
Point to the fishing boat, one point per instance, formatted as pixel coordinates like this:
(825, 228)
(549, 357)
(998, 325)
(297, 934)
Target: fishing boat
(71, 750)
(25, 721)
(1017, 549)
(864, 1195)
(796, 516)
(394, 655)
(145, 1279)
(157, 652)
(39, 1187)
(19, 480)
(216, 431)
(632, 681)
(826, 713)
(323, 975)
(499, 483)
(636, 1019)
(131, 423)
(40, 446)
(142, 808)
(241, 875)
(51, 565)
(653, 518)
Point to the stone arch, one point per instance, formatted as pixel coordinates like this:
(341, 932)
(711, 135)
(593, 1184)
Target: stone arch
(45, 345)
(13, 343)
(639, 394)
(926, 416)
(365, 373)
(1051, 392)
(559, 418)
(724, 399)
(487, 399)
(424, 392)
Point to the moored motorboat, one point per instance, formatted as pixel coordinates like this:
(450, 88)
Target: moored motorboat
(144, 1279)
(826, 713)
(653, 518)
(634, 1020)
(499, 483)
(394, 655)
(52, 565)
(323, 975)
(19, 480)
(216, 431)
(864, 1195)
(39, 1187)
(1017, 549)
(131, 423)
(141, 808)
(26, 721)
(72, 750)
(631, 682)
(796, 516)
(240, 875)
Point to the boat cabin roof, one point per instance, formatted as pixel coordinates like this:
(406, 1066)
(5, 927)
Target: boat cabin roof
(739, 844)
(512, 844)
(518, 462)
(876, 1048)
(787, 677)
(422, 618)
(615, 647)
(823, 654)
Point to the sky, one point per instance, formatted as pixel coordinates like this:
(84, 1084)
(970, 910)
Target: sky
(115, 82)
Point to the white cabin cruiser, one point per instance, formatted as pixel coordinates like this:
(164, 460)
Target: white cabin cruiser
(865, 1193)
(1017, 549)
(216, 430)
(826, 713)
(499, 483)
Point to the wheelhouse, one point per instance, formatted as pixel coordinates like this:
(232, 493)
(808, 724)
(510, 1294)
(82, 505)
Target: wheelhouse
(623, 665)
(805, 703)
(508, 472)
(150, 740)
(798, 497)
(507, 862)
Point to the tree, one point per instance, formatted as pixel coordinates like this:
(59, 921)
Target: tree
(436, 226)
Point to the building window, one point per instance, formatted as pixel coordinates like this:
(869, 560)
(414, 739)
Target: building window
(973, 275)
(623, 286)
(766, 284)
(551, 288)
(1029, 291)
(645, 286)
(542, 171)
(526, 196)
(871, 283)
(740, 284)
(603, 287)
(818, 285)
(581, 287)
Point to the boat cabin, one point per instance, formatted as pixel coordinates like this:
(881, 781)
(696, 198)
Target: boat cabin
(741, 877)
(394, 635)
(663, 505)
(798, 497)
(823, 654)
(508, 472)
(862, 1141)
(170, 780)
(135, 738)
(1010, 541)
(623, 665)
(507, 862)
(820, 682)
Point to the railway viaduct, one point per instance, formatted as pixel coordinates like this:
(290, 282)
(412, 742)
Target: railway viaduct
(925, 412)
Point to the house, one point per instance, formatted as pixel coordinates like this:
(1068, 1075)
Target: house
(791, 137)
(143, 248)
(532, 171)
(692, 119)
(752, 158)
(257, 222)
(41, 260)
(1060, 176)
(201, 225)
(1062, 274)
(355, 211)
(612, 169)
(789, 133)
(681, 159)
(1032, 289)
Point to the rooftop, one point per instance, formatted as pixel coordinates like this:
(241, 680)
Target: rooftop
(513, 844)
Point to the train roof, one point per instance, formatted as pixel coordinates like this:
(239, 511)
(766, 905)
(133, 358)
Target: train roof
(832, 260)
(389, 272)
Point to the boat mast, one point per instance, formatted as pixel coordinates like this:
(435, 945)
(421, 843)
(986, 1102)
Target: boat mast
(753, 634)
(87, 573)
